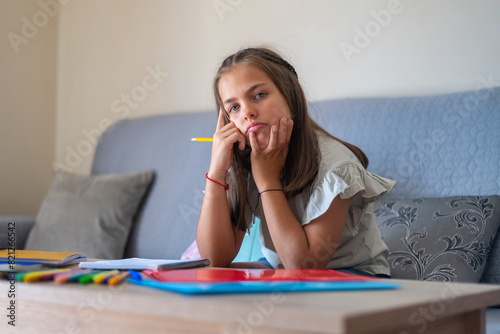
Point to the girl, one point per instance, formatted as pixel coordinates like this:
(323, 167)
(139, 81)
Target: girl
(309, 189)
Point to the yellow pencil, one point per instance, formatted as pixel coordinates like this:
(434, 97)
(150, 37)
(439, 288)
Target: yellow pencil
(117, 279)
(99, 278)
(203, 139)
(39, 275)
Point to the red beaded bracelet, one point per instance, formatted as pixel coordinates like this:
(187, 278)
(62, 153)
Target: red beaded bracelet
(225, 186)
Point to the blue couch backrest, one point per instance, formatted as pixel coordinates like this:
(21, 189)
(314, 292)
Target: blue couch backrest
(167, 222)
(433, 146)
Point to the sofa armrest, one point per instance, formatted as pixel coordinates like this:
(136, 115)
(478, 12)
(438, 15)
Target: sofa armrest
(22, 229)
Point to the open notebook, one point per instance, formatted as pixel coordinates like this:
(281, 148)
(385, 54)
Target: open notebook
(136, 263)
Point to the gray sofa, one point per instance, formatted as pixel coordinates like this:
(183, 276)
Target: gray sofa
(437, 148)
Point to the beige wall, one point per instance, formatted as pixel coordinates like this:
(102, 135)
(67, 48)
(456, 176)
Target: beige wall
(107, 50)
(27, 105)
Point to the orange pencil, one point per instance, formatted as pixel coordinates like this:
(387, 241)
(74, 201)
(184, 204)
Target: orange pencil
(117, 279)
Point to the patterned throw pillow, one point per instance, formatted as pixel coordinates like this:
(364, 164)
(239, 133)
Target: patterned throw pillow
(439, 239)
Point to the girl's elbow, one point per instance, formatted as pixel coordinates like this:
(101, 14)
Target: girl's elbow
(217, 261)
(220, 261)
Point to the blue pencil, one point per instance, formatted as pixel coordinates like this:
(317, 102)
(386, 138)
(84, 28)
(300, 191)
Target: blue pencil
(135, 275)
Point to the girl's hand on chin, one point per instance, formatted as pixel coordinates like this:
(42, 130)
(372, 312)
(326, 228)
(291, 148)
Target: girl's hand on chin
(268, 163)
(226, 135)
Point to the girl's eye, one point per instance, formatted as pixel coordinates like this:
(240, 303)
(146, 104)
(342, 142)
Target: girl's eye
(260, 95)
(233, 108)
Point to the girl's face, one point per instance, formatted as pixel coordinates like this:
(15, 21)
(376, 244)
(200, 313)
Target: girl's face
(252, 101)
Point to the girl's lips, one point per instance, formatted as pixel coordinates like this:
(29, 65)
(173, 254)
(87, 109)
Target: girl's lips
(255, 127)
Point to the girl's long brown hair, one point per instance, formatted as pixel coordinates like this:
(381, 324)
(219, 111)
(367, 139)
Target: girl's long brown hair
(302, 162)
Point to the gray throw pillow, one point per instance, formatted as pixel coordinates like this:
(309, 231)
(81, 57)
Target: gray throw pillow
(439, 239)
(89, 214)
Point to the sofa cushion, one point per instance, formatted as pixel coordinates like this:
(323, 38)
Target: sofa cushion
(89, 214)
(439, 239)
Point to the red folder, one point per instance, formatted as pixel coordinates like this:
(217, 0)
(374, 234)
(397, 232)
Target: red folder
(245, 275)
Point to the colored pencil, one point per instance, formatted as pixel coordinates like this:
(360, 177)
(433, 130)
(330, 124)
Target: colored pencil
(39, 275)
(76, 277)
(135, 275)
(203, 139)
(66, 276)
(117, 279)
(100, 278)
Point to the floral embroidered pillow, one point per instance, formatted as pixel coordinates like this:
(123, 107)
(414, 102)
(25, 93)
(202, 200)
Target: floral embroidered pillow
(439, 239)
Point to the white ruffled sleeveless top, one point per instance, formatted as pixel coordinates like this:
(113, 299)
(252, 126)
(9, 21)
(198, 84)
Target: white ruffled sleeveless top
(340, 172)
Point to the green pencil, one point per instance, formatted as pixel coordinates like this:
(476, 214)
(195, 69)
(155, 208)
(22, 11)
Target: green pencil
(89, 278)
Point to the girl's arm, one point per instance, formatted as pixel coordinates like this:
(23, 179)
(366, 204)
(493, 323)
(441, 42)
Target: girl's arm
(299, 247)
(304, 247)
(218, 240)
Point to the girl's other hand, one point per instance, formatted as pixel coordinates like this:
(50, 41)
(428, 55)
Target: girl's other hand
(226, 135)
(268, 163)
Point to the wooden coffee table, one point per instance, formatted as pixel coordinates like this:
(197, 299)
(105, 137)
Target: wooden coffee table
(417, 307)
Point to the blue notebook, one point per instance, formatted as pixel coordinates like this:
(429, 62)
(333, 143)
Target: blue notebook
(263, 286)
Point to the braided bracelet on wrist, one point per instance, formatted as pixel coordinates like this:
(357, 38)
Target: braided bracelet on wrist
(263, 191)
(226, 186)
